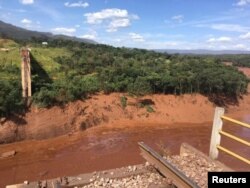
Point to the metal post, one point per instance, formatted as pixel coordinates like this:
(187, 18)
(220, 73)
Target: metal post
(216, 137)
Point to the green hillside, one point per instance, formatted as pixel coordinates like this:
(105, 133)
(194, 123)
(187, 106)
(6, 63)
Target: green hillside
(11, 59)
(46, 58)
(66, 71)
(10, 31)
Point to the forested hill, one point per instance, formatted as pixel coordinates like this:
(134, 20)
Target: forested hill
(204, 52)
(18, 33)
(66, 71)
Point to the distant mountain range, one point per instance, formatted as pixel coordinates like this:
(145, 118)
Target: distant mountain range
(13, 32)
(202, 52)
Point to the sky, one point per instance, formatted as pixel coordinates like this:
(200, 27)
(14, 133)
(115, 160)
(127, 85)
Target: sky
(149, 24)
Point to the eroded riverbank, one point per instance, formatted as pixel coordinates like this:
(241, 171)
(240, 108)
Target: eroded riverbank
(113, 143)
(100, 148)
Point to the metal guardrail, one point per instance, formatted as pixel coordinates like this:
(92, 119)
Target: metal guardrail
(236, 121)
(217, 132)
(233, 154)
(234, 138)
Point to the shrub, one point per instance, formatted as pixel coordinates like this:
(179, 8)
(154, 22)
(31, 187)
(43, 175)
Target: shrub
(45, 97)
(10, 98)
(123, 100)
(150, 109)
(140, 87)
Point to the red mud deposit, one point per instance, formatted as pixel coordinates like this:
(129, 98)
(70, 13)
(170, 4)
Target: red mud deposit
(113, 143)
(105, 109)
(245, 70)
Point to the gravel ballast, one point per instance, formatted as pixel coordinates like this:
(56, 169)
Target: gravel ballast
(151, 179)
(194, 167)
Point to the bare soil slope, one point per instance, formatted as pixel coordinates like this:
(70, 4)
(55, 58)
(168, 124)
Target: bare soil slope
(107, 110)
(245, 70)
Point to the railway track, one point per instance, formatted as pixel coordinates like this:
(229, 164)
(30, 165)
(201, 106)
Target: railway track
(163, 166)
(167, 169)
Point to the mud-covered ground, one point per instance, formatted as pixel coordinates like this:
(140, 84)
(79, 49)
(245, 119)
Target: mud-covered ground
(59, 141)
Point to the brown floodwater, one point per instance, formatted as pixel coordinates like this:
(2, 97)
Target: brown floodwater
(107, 147)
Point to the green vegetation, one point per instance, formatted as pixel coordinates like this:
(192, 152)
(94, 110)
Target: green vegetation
(66, 71)
(123, 100)
(70, 88)
(150, 109)
(10, 98)
(242, 60)
(8, 31)
(146, 103)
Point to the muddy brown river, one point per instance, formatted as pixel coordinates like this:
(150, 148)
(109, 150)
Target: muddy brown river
(107, 147)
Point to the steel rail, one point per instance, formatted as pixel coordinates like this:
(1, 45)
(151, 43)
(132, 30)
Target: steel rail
(167, 169)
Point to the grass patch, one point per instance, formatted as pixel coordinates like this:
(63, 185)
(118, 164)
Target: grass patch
(46, 58)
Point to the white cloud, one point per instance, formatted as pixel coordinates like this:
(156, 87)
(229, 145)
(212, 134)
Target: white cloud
(78, 4)
(151, 44)
(136, 37)
(92, 35)
(220, 39)
(63, 30)
(245, 36)
(77, 26)
(26, 21)
(229, 27)
(98, 17)
(240, 46)
(243, 2)
(178, 18)
(118, 23)
(26, 2)
(224, 39)
(211, 40)
(164, 43)
(30, 24)
(88, 36)
(114, 18)
(117, 40)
